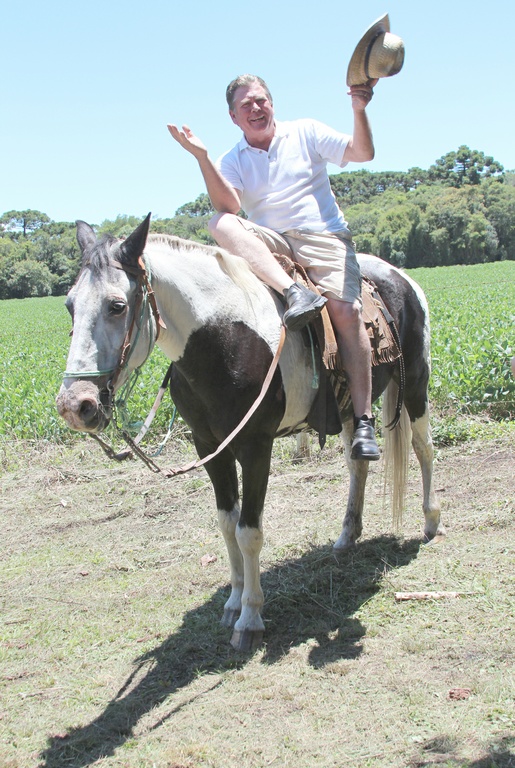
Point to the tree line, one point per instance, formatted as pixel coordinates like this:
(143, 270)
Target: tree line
(459, 211)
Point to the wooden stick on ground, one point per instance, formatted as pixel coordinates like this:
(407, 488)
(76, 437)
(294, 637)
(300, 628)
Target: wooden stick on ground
(430, 595)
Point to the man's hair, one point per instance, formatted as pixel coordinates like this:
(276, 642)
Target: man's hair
(245, 80)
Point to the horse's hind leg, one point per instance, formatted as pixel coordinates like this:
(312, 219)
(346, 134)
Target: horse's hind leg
(358, 470)
(222, 473)
(423, 446)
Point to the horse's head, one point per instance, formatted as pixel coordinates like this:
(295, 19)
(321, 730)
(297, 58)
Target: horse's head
(113, 327)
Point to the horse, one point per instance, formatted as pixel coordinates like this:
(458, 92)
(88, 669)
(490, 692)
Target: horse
(222, 326)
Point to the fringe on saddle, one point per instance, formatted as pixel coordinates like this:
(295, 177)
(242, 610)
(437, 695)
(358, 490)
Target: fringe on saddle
(385, 347)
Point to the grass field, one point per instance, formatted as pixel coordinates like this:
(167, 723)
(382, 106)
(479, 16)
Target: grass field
(113, 582)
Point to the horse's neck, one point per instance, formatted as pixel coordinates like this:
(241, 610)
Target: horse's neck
(192, 291)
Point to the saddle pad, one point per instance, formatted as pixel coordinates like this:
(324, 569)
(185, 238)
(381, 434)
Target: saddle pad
(378, 322)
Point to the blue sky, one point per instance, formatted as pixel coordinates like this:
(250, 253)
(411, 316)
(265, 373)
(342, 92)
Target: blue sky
(88, 89)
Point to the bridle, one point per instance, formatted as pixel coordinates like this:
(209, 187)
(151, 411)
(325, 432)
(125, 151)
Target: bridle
(144, 298)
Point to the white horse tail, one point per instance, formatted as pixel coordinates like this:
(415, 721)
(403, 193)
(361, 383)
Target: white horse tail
(397, 443)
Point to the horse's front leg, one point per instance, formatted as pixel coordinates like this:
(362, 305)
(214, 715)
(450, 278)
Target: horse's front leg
(254, 456)
(223, 476)
(358, 470)
(249, 628)
(228, 522)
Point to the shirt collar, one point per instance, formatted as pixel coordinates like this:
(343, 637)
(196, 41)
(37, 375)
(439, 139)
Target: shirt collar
(281, 129)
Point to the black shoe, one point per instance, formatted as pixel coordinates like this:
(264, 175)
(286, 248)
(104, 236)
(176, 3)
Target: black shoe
(303, 306)
(364, 444)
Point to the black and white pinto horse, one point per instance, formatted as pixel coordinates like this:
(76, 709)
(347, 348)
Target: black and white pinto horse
(223, 327)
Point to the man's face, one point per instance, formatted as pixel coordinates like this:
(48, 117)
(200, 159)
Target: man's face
(253, 112)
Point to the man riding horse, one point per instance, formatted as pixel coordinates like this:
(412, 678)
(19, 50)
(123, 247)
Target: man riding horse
(277, 174)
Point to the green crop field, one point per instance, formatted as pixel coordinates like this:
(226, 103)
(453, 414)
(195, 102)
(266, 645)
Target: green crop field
(473, 336)
(473, 321)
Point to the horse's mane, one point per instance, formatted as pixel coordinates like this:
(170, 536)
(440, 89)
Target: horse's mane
(233, 266)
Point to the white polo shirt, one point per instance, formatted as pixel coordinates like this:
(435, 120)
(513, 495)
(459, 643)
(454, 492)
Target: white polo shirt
(288, 186)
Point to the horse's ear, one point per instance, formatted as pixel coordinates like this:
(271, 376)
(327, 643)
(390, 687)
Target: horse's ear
(85, 236)
(132, 248)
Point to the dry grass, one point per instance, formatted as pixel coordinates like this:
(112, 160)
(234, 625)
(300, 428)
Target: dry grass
(112, 654)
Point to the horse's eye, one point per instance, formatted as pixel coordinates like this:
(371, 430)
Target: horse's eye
(117, 307)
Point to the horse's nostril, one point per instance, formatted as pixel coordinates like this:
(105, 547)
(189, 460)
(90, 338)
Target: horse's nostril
(88, 411)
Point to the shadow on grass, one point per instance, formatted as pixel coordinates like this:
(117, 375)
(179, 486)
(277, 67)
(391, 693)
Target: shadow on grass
(440, 751)
(310, 597)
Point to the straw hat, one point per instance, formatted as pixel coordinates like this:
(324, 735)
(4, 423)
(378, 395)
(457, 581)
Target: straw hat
(378, 54)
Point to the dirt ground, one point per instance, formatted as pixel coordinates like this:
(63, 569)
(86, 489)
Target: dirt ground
(113, 582)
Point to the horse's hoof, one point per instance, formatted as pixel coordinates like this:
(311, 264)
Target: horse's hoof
(247, 639)
(230, 618)
(343, 550)
(434, 538)
(343, 545)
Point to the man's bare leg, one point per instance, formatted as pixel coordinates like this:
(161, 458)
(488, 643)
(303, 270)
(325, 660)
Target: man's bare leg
(354, 348)
(303, 304)
(226, 229)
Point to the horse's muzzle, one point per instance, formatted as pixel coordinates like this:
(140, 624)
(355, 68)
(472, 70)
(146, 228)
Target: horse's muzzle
(84, 406)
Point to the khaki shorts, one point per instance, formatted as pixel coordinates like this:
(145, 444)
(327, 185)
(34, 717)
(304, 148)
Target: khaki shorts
(328, 258)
